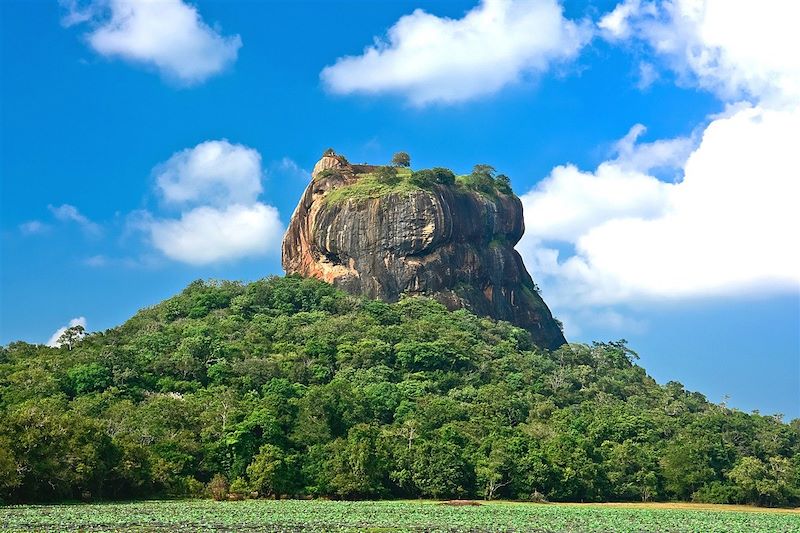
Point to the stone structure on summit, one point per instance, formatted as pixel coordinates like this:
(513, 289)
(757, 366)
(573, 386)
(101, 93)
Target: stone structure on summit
(449, 242)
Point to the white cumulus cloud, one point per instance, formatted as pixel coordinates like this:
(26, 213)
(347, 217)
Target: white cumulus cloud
(616, 25)
(53, 340)
(206, 235)
(212, 172)
(733, 48)
(289, 167)
(169, 35)
(570, 201)
(729, 226)
(725, 223)
(431, 59)
(216, 186)
(33, 227)
(70, 213)
(648, 75)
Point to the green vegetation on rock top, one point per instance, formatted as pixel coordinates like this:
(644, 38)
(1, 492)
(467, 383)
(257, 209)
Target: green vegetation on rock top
(371, 186)
(399, 179)
(287, 386)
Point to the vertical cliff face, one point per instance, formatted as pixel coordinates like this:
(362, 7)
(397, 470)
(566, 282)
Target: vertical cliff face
(447, 242)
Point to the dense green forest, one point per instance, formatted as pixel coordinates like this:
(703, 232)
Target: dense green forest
(289, 387)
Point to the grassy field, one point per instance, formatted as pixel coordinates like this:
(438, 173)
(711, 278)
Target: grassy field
(296, 515)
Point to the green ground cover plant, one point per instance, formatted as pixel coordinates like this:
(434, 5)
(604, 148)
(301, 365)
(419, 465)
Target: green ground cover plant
(298, 515)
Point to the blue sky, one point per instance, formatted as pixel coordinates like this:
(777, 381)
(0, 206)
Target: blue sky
(677, 235)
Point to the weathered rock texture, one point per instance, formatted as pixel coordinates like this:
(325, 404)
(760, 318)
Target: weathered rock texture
(453, 245)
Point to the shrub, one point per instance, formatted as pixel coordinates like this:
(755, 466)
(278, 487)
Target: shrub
(503, 184)
(482, 179)
(193, 488)
(537, 497)
(483, 170)
(401, 159)
(387, 175)
(717, 492)
(329, 173)
(218, 487)
(443, 176)
(479, 182)
(428, 177)
(422, 178)
(239, 489)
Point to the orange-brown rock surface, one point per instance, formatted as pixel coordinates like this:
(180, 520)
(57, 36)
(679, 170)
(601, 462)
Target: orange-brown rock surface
(446, 242)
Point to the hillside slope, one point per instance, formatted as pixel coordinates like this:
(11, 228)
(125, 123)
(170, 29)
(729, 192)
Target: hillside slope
(288, 386)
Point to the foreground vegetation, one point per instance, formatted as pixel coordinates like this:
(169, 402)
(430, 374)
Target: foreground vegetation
(288, 387)
(295, 515)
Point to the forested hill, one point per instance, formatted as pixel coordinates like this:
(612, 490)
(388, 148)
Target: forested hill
(290, 387)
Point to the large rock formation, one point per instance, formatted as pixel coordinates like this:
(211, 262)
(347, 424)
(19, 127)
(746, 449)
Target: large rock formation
(447, 242)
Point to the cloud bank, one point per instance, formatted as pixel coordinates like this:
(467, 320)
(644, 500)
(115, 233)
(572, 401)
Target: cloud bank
(622, 234)
(735, 49)
(430, 59)
(168, 35)
(727, 227)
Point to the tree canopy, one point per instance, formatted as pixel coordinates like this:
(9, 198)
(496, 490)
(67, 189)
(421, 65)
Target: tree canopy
(287, 386)
(401, 159)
